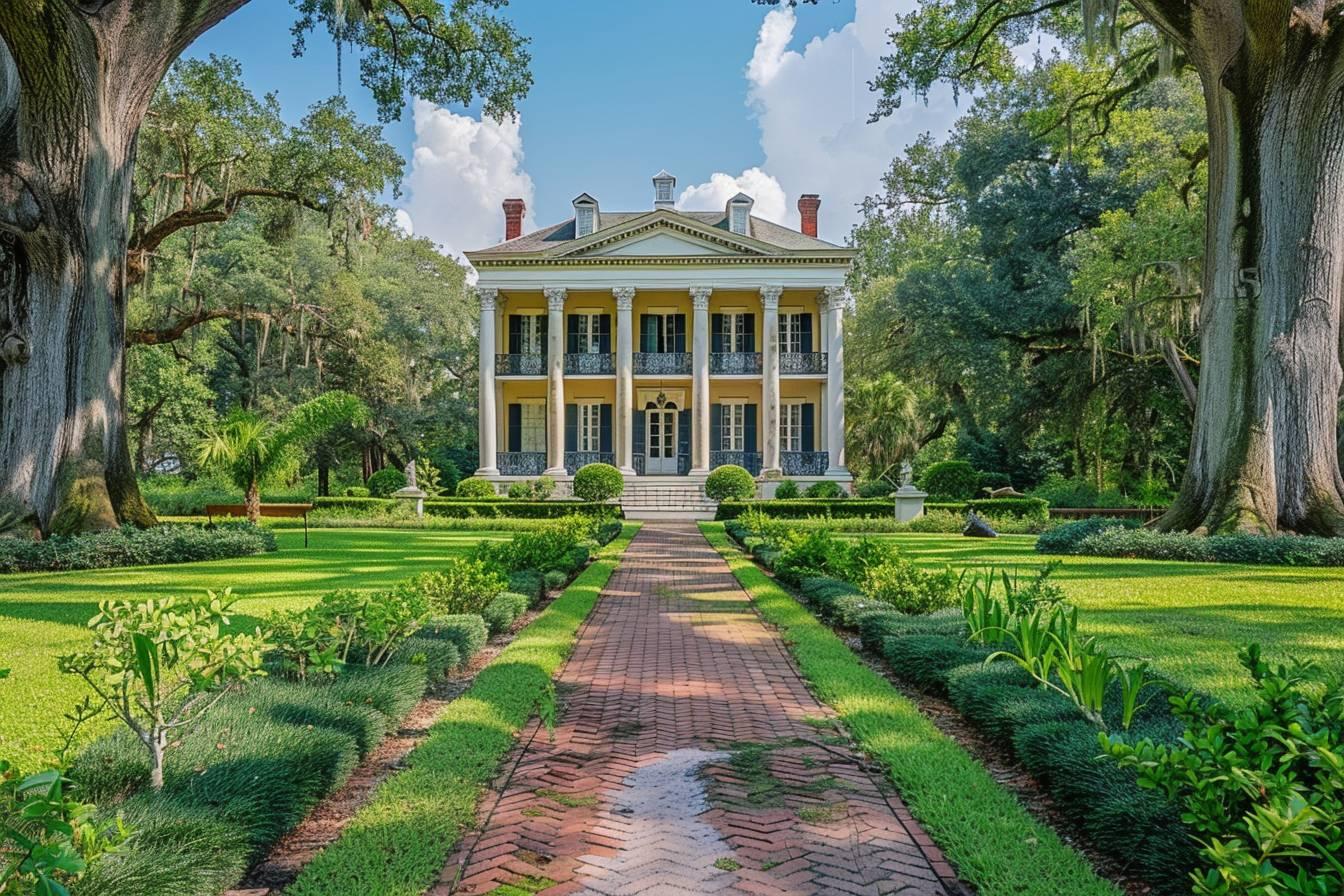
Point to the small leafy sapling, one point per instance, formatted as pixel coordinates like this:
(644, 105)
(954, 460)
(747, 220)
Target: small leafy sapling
(161, 665)
(308, 642)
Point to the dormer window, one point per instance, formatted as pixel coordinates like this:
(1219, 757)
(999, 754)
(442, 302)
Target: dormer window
(585, 215)
(664, 185)
(739, 214)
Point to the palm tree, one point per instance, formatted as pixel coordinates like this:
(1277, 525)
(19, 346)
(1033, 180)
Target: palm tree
(883, 424)
(252, 451)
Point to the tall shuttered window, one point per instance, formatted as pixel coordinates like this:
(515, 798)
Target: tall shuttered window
(791, 427)
(734, 423)
(533, 428)
(590, 427)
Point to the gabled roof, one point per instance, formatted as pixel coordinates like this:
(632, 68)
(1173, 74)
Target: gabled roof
(559, 240)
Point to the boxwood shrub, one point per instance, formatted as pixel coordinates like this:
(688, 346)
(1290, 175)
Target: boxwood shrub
(598, 483)
(1281, 550)
(501, 612)
(466, 508)
(129, 546)
(1066, 538)
(467, 631)
(730, 483)
(875, 508)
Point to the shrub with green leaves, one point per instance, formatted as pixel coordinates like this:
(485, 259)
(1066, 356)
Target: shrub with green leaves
(1066, 539)
(808, 554)
(1147, 544)
(954, 480)
(386, 481)
(538, 489)
(356, 491)
(467, 631)
(824, 489)
(475, 488)
(787, 490)
(160, 665)
(898, 583)
(501, 612)
(730, 483)
(1262, 785)
(598, 482)
(373, 625)
(461, 585)
(129, 546)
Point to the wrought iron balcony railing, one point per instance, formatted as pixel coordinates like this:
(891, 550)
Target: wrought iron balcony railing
(735, 362)
(802, 362)
(521, 463)
(663, 363)
(577, 459)
(590, 364)
(804, 463)
(520, 365)
(747, 460)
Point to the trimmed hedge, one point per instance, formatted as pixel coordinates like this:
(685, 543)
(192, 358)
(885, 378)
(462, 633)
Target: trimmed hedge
(1258, 550)
(169, 496)
(501, 612)
(873, 508)
(471, 507)
(129, 546)
(1066, 538)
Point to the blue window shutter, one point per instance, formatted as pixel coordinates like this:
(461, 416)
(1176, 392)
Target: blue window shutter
(749, 332)
(684, 434)
(604, 333)
(716, 427)
(678, 334)
(805, 332)
(571, 427)
(809, 427)
(572, 333)
(648, 333)
(637, 432)
(545, 328)
(749, 428)
(716, 334)
(515, 333)
(604, 437)
(515, 434)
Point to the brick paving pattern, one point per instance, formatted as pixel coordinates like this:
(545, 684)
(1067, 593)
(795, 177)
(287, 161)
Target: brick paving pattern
(689, 757)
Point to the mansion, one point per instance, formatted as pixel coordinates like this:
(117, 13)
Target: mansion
(663, 342)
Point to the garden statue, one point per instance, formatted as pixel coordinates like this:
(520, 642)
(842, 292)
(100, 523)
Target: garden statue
(908, 499)
(410, 475)
(412, 491)
(907, 475)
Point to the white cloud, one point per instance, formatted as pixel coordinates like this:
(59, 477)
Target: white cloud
(813, 106)
(402, 219)
(462, 169)
(714, 194)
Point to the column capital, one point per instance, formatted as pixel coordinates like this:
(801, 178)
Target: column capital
(770, 297)
(700, 297)
(555, 297)
(832, 298)
(625, 297)
(488, 296)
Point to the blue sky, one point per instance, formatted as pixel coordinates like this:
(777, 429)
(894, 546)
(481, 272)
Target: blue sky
(725, 94)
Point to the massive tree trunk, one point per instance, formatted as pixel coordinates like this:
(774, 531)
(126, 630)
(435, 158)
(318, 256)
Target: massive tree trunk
(75, 83)
(1263, 454)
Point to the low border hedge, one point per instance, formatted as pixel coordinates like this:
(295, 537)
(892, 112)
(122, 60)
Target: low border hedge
(871, 508)
(129, 546)
(397, 844)
(461, 508)
(992, 840)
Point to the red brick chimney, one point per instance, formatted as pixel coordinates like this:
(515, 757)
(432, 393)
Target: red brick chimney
(513, 218)
(808, 203)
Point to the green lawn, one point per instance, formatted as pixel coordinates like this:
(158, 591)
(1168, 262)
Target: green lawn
(1188, 618)
(42, 615)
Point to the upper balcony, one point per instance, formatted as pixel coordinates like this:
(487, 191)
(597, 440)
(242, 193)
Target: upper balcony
(520, 365)
(802, 362)
(735, 363)
(590, 364)
(662, 363)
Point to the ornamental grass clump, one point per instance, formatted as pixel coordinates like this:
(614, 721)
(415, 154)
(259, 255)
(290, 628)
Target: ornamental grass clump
(160, 665)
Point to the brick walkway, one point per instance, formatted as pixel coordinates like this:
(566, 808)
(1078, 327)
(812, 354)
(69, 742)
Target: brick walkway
(689, 758)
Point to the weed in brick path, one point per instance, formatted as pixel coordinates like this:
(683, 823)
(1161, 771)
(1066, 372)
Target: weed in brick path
(823, 814)
(727, 864)
(534, 812)
(568, 800)
(533, 858)
(522, 886)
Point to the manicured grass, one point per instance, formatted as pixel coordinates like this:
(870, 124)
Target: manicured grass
(1190, 619)
(398, 843)
(994, 843)
(43, 615)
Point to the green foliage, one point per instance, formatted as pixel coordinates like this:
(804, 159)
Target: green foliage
(162, 664)
(1066, 539)
(468, 632)
(870, 488)
(898, 583)
(462, 508)
(884, 425)
(1032, 509)
(824, 489)
(787, 490)
(372, 625)
(555, 579)
(386, 481)
(429, 478)
(544, 549)
(1280, 550)
(598, 482)
(951, 480)
(527, 581)
(501, 612)
(356, 491)
(129, 546)
(538, 489)
(1263, 786)
(730, 483)
(461, 585)
(475, 488)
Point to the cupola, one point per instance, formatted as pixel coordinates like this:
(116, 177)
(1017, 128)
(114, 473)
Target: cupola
(664, 185)
(585, 215)
(739, 214)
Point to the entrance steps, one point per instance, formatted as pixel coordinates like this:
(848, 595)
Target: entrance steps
(666, 498)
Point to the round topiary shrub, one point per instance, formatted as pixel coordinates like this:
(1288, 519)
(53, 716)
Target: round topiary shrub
(730, 483)
(475, 488)
(598, 482)
(356, 491)
(953, 479)
(787, 490)
(385, 482)
(824, 489)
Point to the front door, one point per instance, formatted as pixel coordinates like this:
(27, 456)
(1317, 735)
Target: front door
(660, 442)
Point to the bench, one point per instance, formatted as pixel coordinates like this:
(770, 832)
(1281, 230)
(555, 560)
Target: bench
(286, 511)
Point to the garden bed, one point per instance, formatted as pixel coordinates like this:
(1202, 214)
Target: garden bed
(129, 546)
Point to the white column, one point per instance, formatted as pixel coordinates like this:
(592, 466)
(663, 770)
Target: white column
(625, 382)
(485, 398)
(700, 381)
(835, 381)
(770, 465)
(555, 396)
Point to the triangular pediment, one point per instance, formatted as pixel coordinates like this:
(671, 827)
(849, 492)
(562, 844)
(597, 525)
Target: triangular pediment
(663, 233)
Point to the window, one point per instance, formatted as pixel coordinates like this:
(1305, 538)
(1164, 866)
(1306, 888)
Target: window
(589, 332)
(590, 427)
(583, 219)
(663, 189)
(531, 339)
(734, 427)
(533, 428)
(735, 333)
(662, 333)
(791, 333)
(739, 218)
(791, 428)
